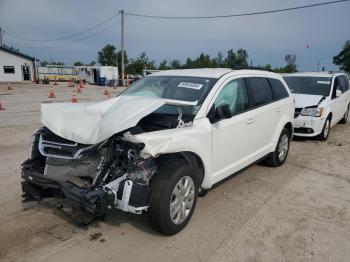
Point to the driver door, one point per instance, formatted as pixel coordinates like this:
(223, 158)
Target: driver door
(232, 137)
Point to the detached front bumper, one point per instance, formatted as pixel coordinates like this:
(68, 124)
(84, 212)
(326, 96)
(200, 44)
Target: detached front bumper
(307, 126)
(124, 195)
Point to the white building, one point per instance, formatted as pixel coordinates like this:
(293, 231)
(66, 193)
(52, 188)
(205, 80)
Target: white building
(16, 66)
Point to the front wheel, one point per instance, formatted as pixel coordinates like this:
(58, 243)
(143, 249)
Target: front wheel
(346, 116)
(173, 197)
(326, 129)
(279, 156)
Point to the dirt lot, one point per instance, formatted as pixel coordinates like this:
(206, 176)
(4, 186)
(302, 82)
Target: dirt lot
(298, 212)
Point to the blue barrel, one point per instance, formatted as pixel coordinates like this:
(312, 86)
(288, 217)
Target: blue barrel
(102, 81)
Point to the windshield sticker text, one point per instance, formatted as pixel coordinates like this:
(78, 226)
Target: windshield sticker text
(190, 85)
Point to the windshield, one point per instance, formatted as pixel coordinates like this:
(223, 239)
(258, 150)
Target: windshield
(184, 88)
(309, 85)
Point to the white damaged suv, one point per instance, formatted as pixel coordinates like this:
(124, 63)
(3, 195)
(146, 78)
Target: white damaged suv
(322, 99)
(160, 143)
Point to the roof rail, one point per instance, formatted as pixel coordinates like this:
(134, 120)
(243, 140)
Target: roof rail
(251, 68)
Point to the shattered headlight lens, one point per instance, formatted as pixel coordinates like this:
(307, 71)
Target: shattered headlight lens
(312, 111)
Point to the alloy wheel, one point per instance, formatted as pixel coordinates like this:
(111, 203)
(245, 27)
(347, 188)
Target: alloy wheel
(283, 147)
(182, 200)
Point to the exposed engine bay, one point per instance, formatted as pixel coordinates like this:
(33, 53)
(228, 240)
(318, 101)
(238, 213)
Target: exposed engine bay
(106, 175)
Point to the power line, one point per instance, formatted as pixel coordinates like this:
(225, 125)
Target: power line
(237, 15)
(69, 43)
(64, 37)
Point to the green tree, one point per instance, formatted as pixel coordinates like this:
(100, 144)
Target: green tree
(219, 60)
(291, 66)
(237, 59)
(78, 63)
(231, 59)
(92, 63)
(242, 58)
(268, 67)
(136, 66)
(108, 56)
(164, 65)
(203, 61)
(175, 64)
(343, 58)
(189, 63)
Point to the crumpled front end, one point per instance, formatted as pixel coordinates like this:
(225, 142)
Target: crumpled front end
(96, 178)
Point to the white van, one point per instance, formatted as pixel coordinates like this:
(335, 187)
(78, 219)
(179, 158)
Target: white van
(321, 101)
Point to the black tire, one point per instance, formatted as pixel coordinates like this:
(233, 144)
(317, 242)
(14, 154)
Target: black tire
(162, 187)
(274, 158)
(325, 133)
(346, 115)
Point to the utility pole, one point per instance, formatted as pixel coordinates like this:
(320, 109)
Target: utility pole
(122, 43)
(0, 36)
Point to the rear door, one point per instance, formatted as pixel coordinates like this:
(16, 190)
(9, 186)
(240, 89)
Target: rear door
(338, 103)
(346, 92)
(264, 113)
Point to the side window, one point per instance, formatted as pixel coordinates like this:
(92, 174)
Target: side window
(342, 83)
(346, 83)
(278, 89)
(336, 86)
(259, 91)
(235, 95)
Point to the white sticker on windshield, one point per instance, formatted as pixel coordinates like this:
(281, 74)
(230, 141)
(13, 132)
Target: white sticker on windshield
(324, 82)
(190, 85)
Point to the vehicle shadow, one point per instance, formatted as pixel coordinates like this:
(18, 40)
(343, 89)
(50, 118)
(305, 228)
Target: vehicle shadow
(79, 219)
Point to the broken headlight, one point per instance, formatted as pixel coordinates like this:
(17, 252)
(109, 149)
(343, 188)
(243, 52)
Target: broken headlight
(312, 111)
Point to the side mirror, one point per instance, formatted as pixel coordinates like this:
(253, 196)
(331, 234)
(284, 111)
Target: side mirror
(338, 93)
(218, 113)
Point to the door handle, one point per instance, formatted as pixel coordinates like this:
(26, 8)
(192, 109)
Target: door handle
(278, 110)
(250, 121)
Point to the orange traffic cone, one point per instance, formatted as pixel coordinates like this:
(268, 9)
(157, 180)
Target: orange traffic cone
(9, 86)
(74, 98)
(55, 83)
(106, 93)
(1, 107)
(78, 89)
(52, 93)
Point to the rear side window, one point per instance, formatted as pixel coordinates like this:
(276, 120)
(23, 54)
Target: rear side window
(278, 89)
(259, 91)
(346, 83)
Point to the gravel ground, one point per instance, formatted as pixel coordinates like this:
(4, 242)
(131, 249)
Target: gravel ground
(298, 212)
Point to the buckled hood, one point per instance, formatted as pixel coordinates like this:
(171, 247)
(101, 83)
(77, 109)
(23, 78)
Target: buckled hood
(302, 101)
(91, 123)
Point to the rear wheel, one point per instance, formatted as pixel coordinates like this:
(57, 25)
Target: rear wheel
(346, 116)
(326, 129)
(173, 197)
(279, 156)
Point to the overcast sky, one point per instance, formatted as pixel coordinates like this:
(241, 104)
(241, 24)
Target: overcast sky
(268, 38)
